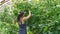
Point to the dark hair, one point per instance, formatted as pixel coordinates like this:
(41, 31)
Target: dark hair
(20, 14)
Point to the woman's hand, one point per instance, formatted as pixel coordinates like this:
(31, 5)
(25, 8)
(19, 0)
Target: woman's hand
(27, 17)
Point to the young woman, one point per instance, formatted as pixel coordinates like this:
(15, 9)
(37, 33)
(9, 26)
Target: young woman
(21, 21)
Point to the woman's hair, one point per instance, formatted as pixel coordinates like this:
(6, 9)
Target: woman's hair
(20, 14)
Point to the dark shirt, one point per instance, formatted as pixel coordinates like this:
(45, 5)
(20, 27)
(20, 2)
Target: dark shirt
(22, 29)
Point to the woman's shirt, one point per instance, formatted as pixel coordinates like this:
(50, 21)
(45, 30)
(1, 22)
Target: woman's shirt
(22, 26)
(22, 29)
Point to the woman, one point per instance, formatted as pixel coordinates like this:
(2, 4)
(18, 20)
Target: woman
(21, 21)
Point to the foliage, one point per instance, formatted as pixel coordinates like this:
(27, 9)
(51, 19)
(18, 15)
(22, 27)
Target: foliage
(45, 17)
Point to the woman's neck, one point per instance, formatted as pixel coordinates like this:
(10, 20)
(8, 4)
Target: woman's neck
(21, 20)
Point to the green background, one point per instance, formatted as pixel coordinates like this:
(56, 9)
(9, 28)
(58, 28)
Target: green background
(45, 17)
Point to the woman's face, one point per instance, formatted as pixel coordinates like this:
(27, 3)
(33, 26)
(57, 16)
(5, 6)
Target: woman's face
(20, 15)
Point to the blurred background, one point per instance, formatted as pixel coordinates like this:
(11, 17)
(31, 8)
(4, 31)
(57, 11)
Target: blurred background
(45, 17)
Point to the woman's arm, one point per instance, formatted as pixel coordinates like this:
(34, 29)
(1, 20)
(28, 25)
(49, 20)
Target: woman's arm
(27, 17)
